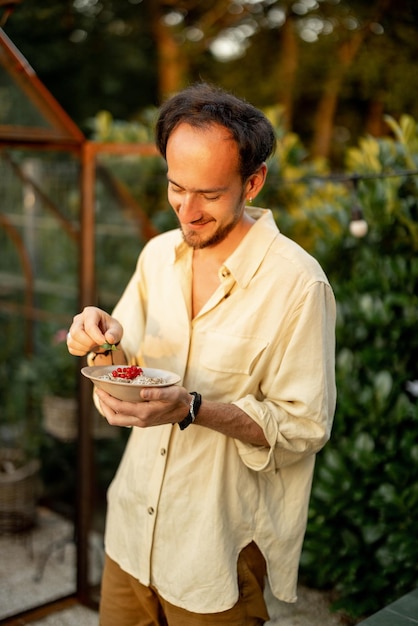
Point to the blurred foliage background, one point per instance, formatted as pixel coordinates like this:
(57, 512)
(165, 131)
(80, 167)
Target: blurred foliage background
(333, 66)
(335, 78)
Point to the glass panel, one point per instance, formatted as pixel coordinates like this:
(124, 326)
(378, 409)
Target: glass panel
(39, 222)
(15, 107)
(131, 206)
(38, 455)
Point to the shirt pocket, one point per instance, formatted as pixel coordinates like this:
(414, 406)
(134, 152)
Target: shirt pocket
(232, 354)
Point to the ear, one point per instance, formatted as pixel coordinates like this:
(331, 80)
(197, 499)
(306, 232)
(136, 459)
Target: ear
(255, 182)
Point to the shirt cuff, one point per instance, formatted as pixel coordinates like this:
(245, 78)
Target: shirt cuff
(258, 458)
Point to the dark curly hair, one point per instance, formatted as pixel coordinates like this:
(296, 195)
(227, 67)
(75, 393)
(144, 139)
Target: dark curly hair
(202, 105)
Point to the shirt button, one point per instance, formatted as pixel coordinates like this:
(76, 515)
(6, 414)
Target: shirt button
(163, 451)
(151, 510)
(224, 272)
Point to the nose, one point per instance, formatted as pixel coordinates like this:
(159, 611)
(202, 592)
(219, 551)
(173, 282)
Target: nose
(188, 208)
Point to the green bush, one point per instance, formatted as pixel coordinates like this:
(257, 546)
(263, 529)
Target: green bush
(361, 536)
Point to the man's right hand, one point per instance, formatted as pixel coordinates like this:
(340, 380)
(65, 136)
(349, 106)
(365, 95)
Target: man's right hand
(91, 329)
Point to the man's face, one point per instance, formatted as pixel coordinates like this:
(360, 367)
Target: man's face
(205, 188)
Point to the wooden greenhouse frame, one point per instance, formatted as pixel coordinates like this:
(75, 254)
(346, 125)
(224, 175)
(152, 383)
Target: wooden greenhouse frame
(59, 133)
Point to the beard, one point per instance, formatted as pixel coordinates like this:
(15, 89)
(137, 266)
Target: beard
(197, 241)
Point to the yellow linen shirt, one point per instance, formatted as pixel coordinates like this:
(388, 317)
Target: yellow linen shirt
(184, 503)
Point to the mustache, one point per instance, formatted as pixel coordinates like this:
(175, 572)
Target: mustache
(204, 219)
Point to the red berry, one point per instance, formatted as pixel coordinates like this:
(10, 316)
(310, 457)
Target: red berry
(130, 372)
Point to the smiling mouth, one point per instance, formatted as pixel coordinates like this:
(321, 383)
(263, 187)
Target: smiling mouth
(197, 223)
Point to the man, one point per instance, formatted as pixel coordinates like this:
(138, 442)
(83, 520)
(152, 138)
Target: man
(198, 515)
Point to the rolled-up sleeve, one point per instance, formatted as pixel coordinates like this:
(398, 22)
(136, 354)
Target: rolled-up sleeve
(297, 409)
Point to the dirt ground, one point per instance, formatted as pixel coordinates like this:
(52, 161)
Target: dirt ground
(311, 609)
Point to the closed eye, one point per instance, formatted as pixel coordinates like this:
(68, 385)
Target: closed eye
(175, 188)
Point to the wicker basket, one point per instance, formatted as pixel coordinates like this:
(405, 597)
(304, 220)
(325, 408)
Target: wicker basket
(60, 417)
(19, 491)
(61, 420)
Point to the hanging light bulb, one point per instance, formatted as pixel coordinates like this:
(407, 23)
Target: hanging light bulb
(358, 225)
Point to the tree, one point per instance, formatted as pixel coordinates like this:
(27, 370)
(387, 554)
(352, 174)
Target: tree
(347, 49)
(280, 44)
(90, 55)
(183, 31)
(334, 67)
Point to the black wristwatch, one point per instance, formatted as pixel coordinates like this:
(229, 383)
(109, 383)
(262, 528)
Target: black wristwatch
(195, 403)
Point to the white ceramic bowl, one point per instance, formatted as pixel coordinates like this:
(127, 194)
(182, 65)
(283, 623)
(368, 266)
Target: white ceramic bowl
(124, 390)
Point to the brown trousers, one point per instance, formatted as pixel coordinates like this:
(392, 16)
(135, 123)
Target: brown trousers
(125, 602)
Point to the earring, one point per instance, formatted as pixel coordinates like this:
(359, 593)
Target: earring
(250, 200)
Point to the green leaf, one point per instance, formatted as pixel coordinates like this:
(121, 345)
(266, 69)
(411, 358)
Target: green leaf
(108, 346)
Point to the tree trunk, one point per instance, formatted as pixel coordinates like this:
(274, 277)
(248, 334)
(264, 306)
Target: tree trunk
(325, 114)
(288, 69)
(175, 56)
(375, 124)
(172, 63)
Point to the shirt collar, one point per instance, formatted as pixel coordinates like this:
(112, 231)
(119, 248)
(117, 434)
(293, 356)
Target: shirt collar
(247, 257)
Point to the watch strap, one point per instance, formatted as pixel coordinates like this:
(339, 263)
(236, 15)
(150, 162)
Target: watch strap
(195, 403)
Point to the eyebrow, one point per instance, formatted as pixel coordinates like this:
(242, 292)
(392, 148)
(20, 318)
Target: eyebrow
(212, 190)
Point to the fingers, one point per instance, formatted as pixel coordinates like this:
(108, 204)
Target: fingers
(160, 405)
(78, 342)
(90, 329)
(112, 410)
(121, 413)
(100, 326)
